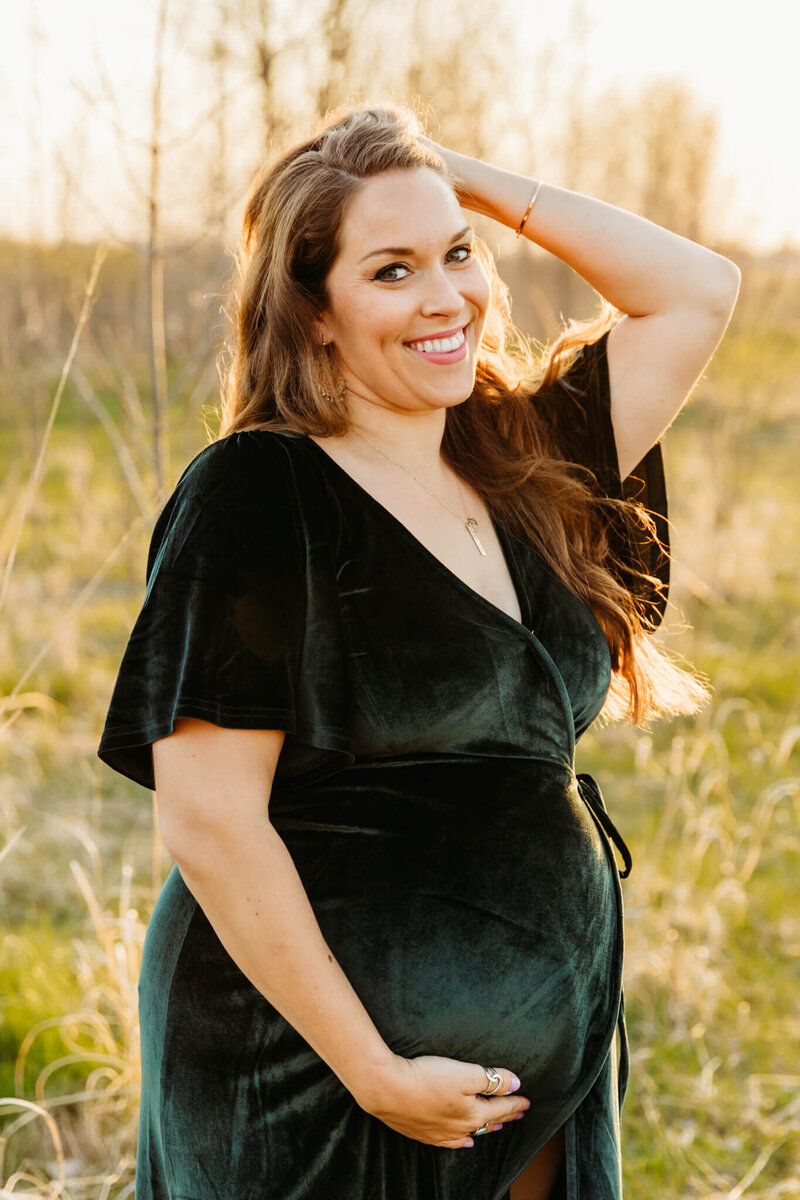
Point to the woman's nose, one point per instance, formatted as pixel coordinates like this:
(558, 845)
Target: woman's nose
(441, 295)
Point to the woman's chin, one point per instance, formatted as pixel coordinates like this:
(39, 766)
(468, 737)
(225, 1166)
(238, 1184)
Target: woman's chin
(445, 392)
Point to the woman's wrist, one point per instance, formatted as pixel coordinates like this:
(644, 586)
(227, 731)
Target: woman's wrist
(374, 1079)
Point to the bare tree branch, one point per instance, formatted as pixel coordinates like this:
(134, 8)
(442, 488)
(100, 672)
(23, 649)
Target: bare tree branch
(129, 468)
(36, 473)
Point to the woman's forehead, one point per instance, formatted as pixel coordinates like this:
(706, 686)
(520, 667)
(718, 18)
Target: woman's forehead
(401, 210)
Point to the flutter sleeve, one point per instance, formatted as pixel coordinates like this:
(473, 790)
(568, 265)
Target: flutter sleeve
(577, 411)
(221, 634)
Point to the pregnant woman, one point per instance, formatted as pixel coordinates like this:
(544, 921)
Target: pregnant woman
(381, 608)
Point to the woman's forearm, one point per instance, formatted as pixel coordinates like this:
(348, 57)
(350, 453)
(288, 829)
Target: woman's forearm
(641, 268)
(246, 882)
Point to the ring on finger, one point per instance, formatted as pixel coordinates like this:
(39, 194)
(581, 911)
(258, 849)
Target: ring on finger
(495, 1082)
(483, 1129)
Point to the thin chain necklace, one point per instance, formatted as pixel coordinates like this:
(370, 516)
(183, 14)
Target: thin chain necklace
(470, 522)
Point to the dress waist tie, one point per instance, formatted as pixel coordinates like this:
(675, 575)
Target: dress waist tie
(589, 790)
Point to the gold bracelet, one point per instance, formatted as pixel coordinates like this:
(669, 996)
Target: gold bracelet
(536, 191)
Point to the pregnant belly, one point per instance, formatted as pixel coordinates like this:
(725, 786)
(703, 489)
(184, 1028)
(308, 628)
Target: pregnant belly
(494, 940)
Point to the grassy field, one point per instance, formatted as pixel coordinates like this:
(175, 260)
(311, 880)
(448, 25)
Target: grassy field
(709, 806)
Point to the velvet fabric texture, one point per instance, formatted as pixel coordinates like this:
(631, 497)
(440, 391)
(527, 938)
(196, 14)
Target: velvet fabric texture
(461, 871)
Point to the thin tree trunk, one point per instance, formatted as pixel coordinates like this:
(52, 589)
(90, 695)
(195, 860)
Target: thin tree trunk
(155, 263)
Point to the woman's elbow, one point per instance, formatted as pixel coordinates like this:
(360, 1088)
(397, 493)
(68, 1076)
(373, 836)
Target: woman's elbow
(724, 290)
(212, 788)
(188, 833)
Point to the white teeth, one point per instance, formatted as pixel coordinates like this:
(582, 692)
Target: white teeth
(440, 345)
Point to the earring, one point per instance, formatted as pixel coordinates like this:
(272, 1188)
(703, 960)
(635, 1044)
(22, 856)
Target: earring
(330, 383)
(339, 394)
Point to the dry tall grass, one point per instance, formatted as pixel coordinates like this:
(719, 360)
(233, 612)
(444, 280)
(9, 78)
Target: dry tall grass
(709, 808)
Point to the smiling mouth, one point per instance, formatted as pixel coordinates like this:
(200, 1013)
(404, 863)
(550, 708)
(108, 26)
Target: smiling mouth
(441, 349)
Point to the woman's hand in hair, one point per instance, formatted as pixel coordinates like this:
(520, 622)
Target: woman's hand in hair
(459, 167)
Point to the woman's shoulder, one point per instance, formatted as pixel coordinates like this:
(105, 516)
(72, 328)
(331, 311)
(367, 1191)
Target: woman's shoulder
(259, 453)
(235, 492)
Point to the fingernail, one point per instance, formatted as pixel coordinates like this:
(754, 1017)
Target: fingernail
(515, 1084)
(469, 1142)
(499, 1125)
(519, 1116)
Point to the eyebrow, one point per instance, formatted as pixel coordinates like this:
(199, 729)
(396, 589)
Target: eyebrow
(408, 250)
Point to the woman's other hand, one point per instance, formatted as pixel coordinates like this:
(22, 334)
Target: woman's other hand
(436, 1100)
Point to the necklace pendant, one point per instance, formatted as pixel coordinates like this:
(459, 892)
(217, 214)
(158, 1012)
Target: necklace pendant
(472, 528)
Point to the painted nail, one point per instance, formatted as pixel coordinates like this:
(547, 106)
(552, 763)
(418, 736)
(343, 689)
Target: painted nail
(515, 1084)
(469, 1142)
(519, 1116)
(499, 1125)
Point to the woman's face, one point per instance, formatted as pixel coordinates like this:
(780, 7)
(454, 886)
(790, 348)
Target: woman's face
(405, 275)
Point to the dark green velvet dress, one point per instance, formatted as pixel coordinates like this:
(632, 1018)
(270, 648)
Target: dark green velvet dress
(462, 873)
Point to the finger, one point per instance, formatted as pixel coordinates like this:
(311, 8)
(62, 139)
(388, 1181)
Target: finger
(489, 1127)
(509, 1082)
(515, 1116)
(498, 1108)
(458, 1143)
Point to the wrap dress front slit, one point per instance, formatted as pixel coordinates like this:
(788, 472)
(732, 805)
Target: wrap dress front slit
(465, 877)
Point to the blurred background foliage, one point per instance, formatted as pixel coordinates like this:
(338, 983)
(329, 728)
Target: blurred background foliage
(108, 349)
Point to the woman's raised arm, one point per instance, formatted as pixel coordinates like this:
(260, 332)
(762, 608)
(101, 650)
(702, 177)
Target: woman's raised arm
(212, 787)
(677, 295)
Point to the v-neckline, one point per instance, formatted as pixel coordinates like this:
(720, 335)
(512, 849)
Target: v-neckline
(506, 547)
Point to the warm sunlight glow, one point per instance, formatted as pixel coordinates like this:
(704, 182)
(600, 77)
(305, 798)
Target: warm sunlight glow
(75, 73)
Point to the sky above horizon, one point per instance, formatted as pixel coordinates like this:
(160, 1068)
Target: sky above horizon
(741, 66)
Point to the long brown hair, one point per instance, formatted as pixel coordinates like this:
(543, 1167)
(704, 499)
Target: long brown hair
(276, 377)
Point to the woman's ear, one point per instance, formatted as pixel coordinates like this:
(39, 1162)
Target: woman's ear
(321, 332)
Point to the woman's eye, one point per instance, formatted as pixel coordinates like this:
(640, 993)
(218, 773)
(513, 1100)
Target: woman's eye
(383, 277)
(392, 267)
